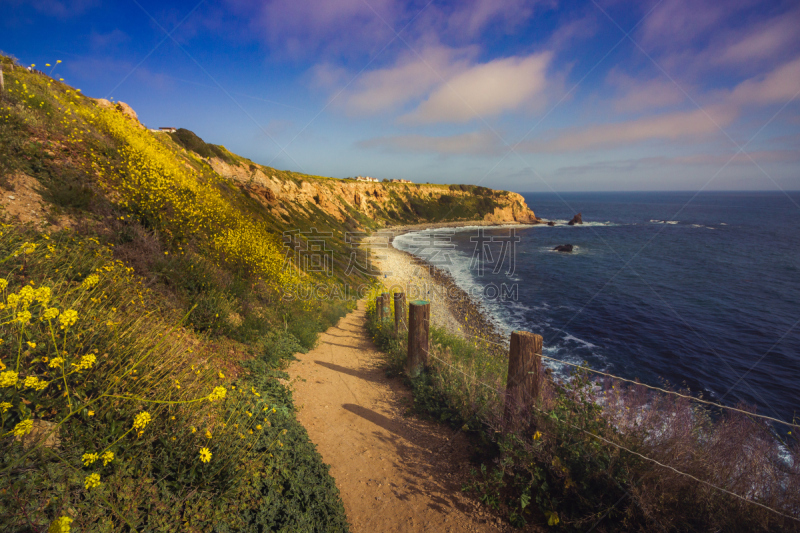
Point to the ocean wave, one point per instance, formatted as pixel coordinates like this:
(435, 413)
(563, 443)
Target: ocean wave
(591, 224)
(701, 226)
(582, 342)
(664, 221)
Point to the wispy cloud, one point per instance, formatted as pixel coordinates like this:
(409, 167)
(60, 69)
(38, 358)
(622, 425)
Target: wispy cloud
(486, 90)
(411, 77)
(637, 94)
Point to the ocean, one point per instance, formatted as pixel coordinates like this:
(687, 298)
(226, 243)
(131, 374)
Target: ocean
(699, 291)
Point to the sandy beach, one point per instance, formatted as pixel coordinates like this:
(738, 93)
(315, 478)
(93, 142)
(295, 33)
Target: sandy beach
(451, 307)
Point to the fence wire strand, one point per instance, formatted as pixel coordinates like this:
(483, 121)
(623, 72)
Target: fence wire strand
(624, 448)
(652, 387)
(619, 446)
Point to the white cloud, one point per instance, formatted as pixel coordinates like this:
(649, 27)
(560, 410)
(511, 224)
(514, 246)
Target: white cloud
(410, 78)
(667, 127)
(777, 87)
(485, 90)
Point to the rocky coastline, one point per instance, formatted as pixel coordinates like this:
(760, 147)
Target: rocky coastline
(452, 308)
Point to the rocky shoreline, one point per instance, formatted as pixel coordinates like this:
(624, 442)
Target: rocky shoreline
(451, 307)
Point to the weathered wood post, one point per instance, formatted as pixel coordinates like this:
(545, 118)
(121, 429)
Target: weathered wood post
(419, 313)
(2, 83)
(387, 311)
(524, 373)
(399, 312)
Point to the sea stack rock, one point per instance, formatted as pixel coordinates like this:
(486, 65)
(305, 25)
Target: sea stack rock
(563, 248)
(576, 220)
(551, 223)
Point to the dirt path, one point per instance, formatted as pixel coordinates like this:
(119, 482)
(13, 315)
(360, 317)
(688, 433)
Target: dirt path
(395, 473)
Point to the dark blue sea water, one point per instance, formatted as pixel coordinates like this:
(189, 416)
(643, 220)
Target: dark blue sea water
(701, 291)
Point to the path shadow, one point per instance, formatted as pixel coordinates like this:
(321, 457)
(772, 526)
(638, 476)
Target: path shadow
(419, 456)
(361, 345)
(366, 375)
(376, 418)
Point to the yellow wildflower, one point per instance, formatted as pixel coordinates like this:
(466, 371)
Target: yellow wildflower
(42, 294)
(23, 317)
(23, 428)
(33, 382)
(194, 429)
(537, 435)
(50, 314)
(208, 434)
(91, 281)
(31, 345)
(107, 457)
(205, 455)
(91, 481)
(5, 406)
(60, 525)
(87, 361)
(90, 413)
(68, 318)
(258, 426)
(141, 420)
(89, 458)
(3, 284)
(217, 394)
(8, 378)
(57, 362)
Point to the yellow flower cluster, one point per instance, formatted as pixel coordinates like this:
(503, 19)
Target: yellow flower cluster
(141, 420)
(68, 318)
(60, 525)
(8, 378)
(91, 481)
(87, 361)
(217, 394)
(23, 428)
(182, 204)
(32, 382)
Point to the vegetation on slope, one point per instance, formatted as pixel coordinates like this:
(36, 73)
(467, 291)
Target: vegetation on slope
(141, 384)
(560, 463)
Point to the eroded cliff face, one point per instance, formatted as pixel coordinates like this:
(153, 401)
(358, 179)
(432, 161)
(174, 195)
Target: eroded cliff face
(337, 197)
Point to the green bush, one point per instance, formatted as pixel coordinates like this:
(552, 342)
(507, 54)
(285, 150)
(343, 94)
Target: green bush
(189, 140)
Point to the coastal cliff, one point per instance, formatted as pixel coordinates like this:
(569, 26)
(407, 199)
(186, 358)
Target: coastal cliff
(382, 201)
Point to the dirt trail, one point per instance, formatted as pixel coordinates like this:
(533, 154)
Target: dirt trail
(395, 473)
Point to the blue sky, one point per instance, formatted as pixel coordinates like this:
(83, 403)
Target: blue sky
(520, 95)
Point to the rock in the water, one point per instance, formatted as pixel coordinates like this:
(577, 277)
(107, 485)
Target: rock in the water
(563, 248)
(576, 220)
(551, 223)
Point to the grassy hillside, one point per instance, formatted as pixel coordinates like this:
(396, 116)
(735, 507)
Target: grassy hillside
(144, 331)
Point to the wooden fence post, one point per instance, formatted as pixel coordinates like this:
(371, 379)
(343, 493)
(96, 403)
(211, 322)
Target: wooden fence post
(399, 312)
(387, 312)
(379, 308)
(2, 83)
(524, 373)
(419, 313)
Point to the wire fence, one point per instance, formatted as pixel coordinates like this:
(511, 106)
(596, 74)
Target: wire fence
(621, 447)
(651, 387)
